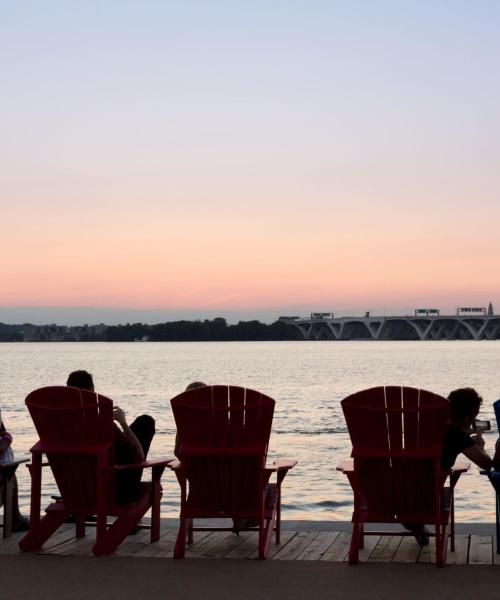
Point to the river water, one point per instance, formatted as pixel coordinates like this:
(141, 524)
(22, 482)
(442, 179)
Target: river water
(307, 380)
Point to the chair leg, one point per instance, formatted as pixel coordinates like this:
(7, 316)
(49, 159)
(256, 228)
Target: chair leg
(190, 531)
(180, 544)
(278, 518)
(442, 532)
(155, 511)
(354, 548)
(40, 533)
(80, 526)
(362, 536)
(266, 530)
(8, 490)
(452, 523)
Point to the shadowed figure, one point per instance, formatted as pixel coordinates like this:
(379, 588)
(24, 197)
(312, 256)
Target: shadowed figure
(131, 443)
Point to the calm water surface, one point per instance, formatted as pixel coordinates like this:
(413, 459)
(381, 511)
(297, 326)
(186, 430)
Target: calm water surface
(307, 380)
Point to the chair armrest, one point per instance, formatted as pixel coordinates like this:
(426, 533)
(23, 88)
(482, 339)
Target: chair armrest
(146, 464)
(284, 464)
(459, 468)
(175, 465)
(347, 466)
(14, 463)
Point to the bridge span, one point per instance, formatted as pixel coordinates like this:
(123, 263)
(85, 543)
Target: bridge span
(398, 328)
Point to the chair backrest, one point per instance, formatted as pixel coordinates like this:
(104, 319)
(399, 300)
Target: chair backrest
(75, 428)
(397, 435)
(496, 407)
(223, 435)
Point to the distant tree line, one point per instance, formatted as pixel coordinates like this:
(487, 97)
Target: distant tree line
(200, 331)
(11, 333)
(176, 331)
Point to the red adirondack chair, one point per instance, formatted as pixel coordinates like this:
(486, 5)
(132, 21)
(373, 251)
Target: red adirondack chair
(75, 428)
(397, 437)
(222, 437)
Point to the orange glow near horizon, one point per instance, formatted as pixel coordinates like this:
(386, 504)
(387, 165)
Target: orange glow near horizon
(333, 158)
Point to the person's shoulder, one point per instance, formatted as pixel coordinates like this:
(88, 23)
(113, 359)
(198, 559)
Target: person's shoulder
(5, 435)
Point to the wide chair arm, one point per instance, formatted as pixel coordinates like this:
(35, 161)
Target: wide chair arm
(456, 471)
(14, 463)
(175, 465)
(146, 464)
(281, 468)
(347, 466)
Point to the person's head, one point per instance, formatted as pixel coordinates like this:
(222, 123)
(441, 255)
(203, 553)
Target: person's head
(194, 385)
(82, 380)
(464, 406)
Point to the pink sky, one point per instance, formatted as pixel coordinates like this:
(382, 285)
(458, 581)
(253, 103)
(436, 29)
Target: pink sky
(328, 159)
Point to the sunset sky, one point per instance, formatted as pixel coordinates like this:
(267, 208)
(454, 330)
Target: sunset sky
(169, 159)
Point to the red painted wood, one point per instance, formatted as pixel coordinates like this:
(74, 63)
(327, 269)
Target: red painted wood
(75, 428)
(397, 435)
(223, 435)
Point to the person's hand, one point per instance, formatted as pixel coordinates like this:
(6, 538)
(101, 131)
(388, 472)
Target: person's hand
(478, 439)
(119, 416)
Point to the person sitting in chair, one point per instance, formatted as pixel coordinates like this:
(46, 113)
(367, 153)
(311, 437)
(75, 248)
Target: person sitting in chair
(131, 443)
(460, 438)
(19, 523)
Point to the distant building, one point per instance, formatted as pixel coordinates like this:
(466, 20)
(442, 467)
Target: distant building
(62, 333)
(427, 312)
(471, 311)
(491, 312)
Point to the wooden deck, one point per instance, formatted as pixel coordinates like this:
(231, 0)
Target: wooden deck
(331, 546)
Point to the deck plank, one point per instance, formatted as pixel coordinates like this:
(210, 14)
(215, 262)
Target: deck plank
(134, 543)
(303, 545)
(296, 546)
(227, 545)
(339, 549)
(481, 550)
(246, 546)
(408, 551)
(75, 547)
(202, 548)
(286, 538)
(163, 547)
(428, 553)
(61, 536)
(386, 548)
(320, 544)
(461, 554)
(371, 542)
(10, 545)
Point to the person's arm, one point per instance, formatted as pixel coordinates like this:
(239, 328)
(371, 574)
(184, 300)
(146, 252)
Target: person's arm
(119, 416)
(478, 456)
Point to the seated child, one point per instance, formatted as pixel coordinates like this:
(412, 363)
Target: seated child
(19, 523)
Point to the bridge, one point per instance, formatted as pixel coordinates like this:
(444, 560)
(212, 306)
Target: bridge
(452, 327)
